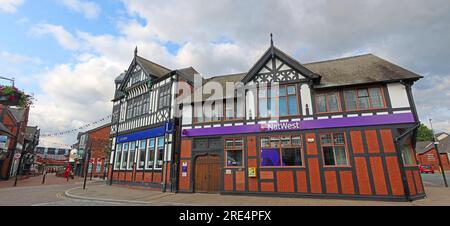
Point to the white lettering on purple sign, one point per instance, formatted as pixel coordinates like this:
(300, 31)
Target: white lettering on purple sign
(283, 126)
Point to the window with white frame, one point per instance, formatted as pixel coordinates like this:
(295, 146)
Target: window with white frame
(124, 156)
(141, 155)
(150, 154)
(132, 155)
(159, 153)
(118, 156)
(334, 149)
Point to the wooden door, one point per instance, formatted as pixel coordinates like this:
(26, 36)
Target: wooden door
(207, 174)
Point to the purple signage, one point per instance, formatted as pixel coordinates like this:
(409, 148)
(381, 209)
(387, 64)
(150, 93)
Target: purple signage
(304, 125)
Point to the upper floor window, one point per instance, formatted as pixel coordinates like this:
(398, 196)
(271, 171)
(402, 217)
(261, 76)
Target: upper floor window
(136, 76)
(328, 102)
(164, 97)
(364, 99)
(286, 99)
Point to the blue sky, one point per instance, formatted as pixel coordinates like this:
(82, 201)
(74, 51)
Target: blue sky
(68, 52)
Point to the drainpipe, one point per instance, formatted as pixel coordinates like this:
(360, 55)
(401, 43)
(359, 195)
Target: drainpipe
(400, 161)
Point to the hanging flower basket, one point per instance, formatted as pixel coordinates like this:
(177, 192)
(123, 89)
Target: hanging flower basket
(11, 96)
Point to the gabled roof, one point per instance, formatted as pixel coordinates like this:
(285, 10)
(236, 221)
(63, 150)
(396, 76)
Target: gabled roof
(361, 69)
(152, 68)
(424, 146)
(275, 52)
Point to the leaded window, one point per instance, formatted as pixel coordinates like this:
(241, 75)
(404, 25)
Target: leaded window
(334, 149)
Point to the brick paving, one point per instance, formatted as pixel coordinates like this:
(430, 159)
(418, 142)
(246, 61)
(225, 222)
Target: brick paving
(436, 196)
(50, 179)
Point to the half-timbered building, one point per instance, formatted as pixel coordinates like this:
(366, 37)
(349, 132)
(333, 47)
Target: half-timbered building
(342, 128)
(143, 122)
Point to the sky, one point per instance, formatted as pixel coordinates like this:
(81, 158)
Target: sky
(68, 52)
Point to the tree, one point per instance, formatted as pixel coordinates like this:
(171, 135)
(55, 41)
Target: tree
(424, 133)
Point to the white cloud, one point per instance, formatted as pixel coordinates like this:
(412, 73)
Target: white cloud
(10, 6)
(411, 33)
(62, 36)
(89, 9)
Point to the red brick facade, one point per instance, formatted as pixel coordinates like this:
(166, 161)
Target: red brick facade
(430, 158)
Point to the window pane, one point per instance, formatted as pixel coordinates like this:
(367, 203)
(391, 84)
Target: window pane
(274, 142)
(407, 154)
(363, 97)
(282, 91)
(285, 141)
(270, 157)
(291, 157)
(141, 158)
(263, 108)
(296, 141)
(265, 142)
(239, 143)
(151, 153)
(229, 144)
(291, 90)
(321, 104)
(262, 93)
(328, 156)
(341, 157)
(350, 100)
(333, 102)
(293, 105)
(326, 139)
(160, 152)
(234, 158)
(339, 138)
(283, 107)
(375, 95)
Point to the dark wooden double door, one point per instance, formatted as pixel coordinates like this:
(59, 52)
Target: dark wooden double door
(207, 174)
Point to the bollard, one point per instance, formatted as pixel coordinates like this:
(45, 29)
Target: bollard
(43, 178)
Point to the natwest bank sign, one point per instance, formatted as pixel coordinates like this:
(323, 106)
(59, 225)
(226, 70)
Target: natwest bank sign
(283, 126)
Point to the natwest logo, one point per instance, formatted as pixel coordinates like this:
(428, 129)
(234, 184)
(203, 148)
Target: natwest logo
(281, 126)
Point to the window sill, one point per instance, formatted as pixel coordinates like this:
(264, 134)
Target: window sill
(337, 167)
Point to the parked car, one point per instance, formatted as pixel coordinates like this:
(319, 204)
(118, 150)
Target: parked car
(426, 169)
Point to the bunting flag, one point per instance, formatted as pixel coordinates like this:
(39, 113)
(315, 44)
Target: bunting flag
(56, 143)
(70, 132)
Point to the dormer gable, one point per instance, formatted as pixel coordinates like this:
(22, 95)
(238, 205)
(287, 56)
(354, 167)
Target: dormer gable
(277, 66)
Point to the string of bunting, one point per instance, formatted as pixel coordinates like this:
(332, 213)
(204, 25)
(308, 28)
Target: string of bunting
(56, 143)
(69, 132)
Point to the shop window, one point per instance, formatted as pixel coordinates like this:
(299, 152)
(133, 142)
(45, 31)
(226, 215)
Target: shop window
(118, 156)
(141, 155)
(150, 153)
(327, 102)
(407, 153)
(124, 156)
(364, 99)
(132, 156)
(334, 149)
(159, 153)
(234, 152)
(281, 151)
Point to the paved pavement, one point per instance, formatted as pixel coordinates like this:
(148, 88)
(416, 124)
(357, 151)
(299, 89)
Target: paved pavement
(436, 196)
(59, 192)
(31, 192)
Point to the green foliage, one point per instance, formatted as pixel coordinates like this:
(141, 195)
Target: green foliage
(424, 133)
(12, 94)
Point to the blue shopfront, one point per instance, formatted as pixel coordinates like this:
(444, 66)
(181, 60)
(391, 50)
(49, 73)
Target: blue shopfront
(144, 150)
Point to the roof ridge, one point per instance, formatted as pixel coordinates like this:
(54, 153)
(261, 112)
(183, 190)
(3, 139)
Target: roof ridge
(339, 59)
(154, 63)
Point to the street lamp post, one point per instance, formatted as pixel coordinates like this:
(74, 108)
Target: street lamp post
(436, 143)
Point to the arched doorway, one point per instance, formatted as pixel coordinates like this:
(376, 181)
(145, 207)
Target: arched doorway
(207, 174)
